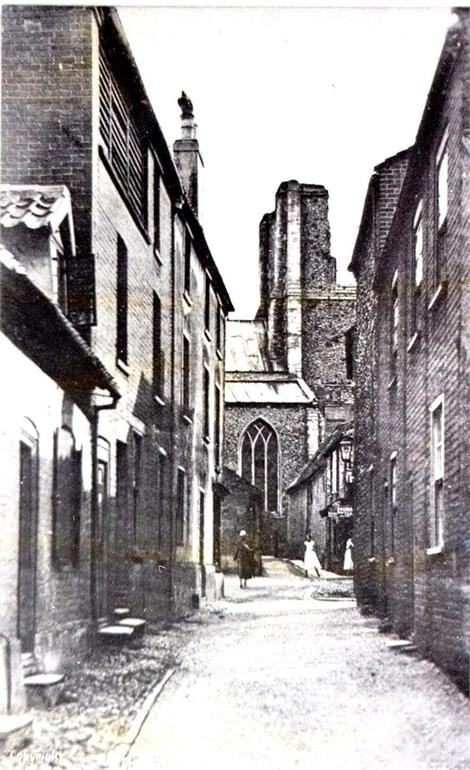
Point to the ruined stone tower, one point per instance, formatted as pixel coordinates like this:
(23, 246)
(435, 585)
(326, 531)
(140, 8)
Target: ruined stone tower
(306, 315)
(287, 371)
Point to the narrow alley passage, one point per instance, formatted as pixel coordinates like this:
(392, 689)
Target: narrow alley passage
(274, 678)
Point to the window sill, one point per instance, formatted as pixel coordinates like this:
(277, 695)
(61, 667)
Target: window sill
(187, 298)
(435, 550)
(206, 440)
(158, 400)
(392, 384)
(390, 561)
(438, 295)
(219, 354)
(207, 335)
(187, 419)
(412, 343)
(125, 369)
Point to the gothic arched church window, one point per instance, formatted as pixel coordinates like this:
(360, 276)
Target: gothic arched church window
(260, 460)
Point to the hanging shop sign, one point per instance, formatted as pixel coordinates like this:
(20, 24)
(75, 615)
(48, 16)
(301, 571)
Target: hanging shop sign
(340, 511)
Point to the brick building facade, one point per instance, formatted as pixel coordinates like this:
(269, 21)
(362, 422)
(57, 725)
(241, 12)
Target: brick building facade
(288, 378)
(412, 377)
(143, 292)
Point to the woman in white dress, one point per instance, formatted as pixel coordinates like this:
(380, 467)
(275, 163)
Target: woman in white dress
(348, 564)
(311, 560)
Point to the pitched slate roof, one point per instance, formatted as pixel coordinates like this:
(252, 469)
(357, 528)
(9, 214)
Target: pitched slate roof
(247, 347)
(272, 388)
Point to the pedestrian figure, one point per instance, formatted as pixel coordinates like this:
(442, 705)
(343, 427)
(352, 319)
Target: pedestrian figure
(311, 560)
(348, 564)
(244, 556)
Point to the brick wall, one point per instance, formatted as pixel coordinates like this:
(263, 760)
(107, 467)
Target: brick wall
(422, 582)
(50, 115)
(46, 102)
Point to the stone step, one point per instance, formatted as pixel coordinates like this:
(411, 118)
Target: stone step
(115, 634)
(120, 613)
(401, 645)
(44, 689)
(16, 731)
(137, 623)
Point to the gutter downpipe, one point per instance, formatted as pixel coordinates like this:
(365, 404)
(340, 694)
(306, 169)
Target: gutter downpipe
(172, 507)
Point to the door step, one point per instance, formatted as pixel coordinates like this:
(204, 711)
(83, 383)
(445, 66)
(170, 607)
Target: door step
(120, 613)
(115, 634)
(401, 645)
(44, 689)
(138, 624)
(16, 731)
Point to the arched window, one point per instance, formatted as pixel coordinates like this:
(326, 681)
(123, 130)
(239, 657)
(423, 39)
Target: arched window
(260, 460)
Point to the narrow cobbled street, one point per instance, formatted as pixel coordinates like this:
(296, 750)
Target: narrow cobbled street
(275, 679)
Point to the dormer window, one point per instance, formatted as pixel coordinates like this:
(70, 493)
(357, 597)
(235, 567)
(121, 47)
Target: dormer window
(37, 226)
(59, 271)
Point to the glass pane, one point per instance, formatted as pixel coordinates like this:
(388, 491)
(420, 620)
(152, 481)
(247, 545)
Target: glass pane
(246, 459)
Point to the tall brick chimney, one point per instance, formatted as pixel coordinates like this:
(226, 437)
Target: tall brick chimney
(186, 152)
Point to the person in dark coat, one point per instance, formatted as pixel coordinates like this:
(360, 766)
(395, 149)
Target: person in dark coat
(244, 557)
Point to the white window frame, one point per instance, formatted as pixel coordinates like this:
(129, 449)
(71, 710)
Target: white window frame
(442, 182)
(393, 480)
(334, 474)
(418, 246)
(394, 325)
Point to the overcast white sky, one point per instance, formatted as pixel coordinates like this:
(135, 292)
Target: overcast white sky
(313, 94)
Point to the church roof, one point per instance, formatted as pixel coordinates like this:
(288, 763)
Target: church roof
(270, 389)
(246, 347)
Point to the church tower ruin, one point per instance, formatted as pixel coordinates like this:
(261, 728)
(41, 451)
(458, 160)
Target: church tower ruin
(288, 370)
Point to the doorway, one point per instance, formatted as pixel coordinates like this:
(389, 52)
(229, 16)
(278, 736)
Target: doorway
(201, 542)
(27, 553)
(102, 528)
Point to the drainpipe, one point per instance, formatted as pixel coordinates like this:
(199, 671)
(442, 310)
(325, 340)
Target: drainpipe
(97, 408)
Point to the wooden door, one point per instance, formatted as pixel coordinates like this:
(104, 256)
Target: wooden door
(201, 542)
(27, 548)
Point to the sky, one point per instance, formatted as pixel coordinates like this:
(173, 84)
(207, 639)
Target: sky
(320, 95)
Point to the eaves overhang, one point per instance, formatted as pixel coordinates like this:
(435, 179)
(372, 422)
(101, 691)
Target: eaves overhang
(39, 328)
